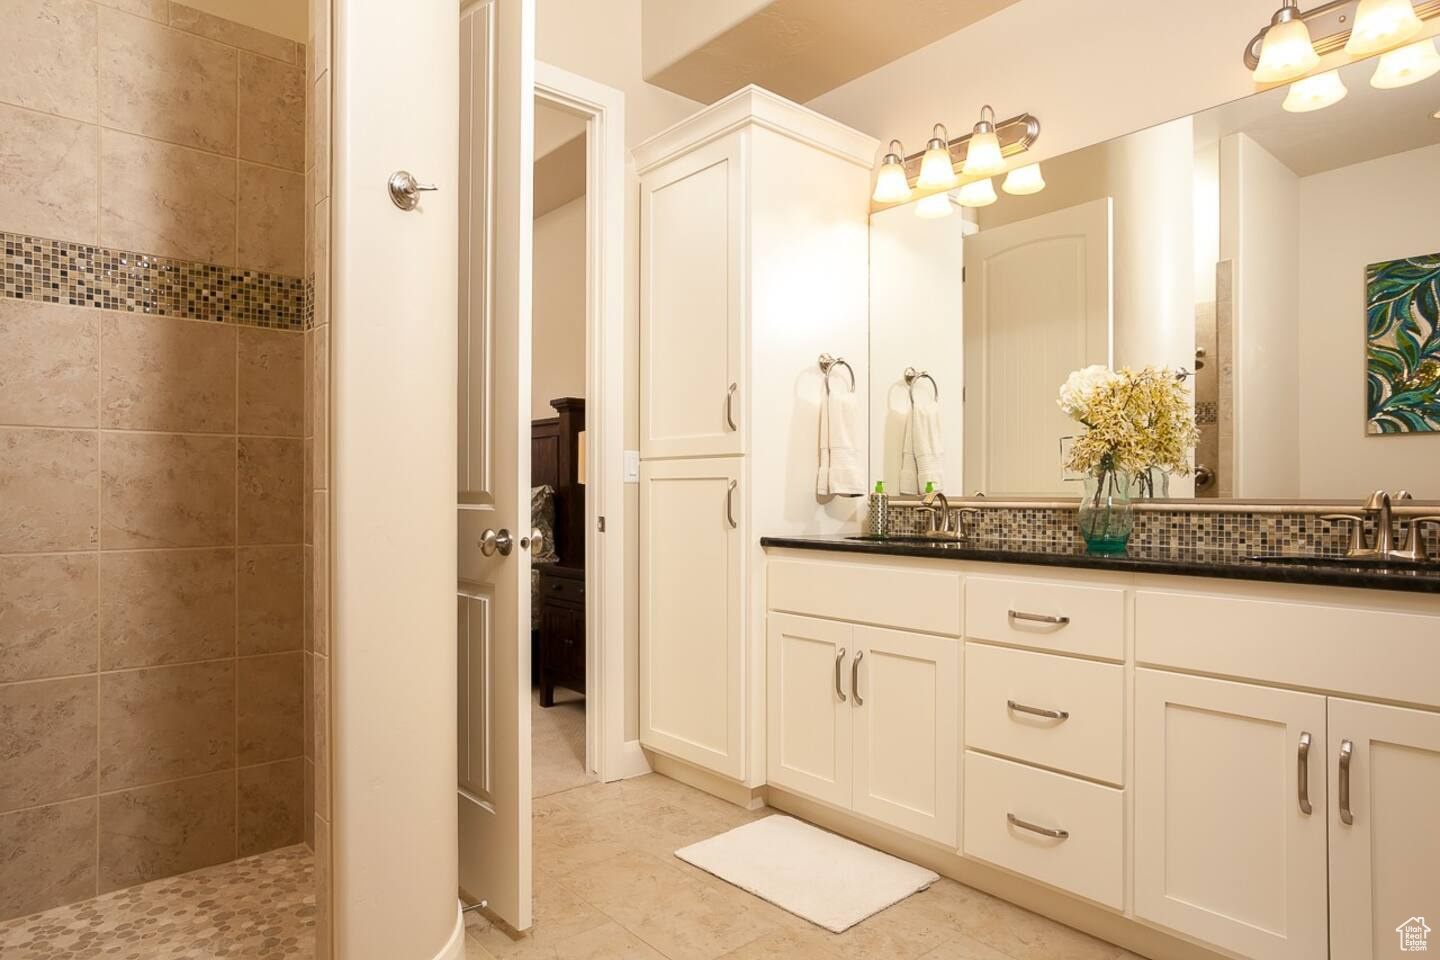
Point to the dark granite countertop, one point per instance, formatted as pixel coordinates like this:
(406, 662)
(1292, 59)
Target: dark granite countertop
(1182, 561)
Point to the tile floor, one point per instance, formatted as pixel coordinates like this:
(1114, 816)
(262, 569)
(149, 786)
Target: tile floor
(557, 743)
(607, 886)
(259, 908)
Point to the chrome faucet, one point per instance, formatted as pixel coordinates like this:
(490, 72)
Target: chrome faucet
(939, 507)
(1379, 509)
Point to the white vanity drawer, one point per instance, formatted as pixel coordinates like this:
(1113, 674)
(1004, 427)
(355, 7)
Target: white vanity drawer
(903, 598)
(1007, 690)
(1006, 804)
(1067, 618)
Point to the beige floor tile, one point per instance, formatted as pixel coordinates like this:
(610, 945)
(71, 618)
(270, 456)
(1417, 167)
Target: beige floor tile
(957, 946)
(559, 914)
(557, 744)
(564, 843)
(608, 942)
(814, 944)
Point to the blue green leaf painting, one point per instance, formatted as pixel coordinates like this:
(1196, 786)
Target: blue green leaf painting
(1402, 345)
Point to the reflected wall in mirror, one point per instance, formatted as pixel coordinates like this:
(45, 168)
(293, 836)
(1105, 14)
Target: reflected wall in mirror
(1288, 259)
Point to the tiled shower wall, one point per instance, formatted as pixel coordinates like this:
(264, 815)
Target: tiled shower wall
(151, 445)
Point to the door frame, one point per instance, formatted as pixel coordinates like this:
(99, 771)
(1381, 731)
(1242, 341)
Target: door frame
(603, 110)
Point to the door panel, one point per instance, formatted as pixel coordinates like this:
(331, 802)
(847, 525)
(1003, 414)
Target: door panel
(1037, 306)
(1223, 850)
(905, 704)
(496, 122)
(691, 696)
(691, 303)
(809, 741)
(1385, 863)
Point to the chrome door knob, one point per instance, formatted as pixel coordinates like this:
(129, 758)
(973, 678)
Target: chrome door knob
(493, 541)
(405, 190)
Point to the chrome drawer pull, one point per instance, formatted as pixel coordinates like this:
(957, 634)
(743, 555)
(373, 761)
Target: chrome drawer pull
(855, 677)
(839, 658)
(1302, 772)
(1054, 833)
(1039, 618)
(730, 503)
(1346, 749)
(1038, 711)
(730, 406)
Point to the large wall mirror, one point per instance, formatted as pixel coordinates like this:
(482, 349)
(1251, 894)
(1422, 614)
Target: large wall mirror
(1290, 260)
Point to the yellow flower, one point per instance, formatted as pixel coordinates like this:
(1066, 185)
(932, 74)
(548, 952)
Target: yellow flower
(1134, 420)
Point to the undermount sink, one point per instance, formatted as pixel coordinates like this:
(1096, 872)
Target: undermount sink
(1306, 561)
(907, 538)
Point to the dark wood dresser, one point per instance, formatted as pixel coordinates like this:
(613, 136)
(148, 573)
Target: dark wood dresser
(562, 630)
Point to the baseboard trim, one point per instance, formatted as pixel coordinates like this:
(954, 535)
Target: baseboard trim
(632, 761)
(726, 789)
(454, 948)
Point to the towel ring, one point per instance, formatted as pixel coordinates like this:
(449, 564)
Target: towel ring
(829, 363)
(911, 375)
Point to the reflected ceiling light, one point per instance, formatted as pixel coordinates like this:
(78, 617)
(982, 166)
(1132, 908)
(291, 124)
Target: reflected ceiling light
(979, 193)
(983, 157)
(1315, 93)
(1380, 25)
(1286, 52)
(936, 170)
(933, 207)
(1400, 68)
(1023, 181)
(891, 185)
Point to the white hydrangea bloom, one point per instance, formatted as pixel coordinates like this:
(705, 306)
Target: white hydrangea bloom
(1081, 387)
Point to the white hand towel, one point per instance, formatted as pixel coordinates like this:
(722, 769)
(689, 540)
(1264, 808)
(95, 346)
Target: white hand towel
(921, 452)
(841, 472)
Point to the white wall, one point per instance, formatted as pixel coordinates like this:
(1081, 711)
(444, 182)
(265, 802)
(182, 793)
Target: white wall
(558, 310)
(1259, 224)
(1384, 209)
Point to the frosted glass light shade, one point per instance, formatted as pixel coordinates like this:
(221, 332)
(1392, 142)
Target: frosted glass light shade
(1315, 93)
(1023, 181)
(891, 186)
(983, 157)
(1400, 68)
(936, 171)
(933, 207)
(979, 193)
(1380, 25)
(1286, 53)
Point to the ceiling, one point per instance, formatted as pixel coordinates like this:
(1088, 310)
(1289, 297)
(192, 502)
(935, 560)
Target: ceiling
(803, 48)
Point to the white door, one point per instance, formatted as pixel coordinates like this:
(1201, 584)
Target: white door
(905, 698)
(1385, 861)
(809, 742)
(691, 619)
(1230, 814)
(496, 131)
(1037, 306)
(691, 288)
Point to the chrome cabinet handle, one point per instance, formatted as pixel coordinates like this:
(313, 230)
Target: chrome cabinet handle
(839, 658)
(1038, 711)
(1346, 750)
(730, 405)
(730, 503)
(1054, 833)
(405, 190)
(1038, 618)
(493, 541)
(855, 677)
(1302, 772)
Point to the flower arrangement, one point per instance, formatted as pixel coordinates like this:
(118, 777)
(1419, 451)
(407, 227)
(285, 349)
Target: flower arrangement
(1135, 420)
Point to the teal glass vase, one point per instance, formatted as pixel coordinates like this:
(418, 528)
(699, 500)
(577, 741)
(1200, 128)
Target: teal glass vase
(1107, 513)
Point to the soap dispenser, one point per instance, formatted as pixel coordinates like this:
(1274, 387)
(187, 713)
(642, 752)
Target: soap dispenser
(879, 525)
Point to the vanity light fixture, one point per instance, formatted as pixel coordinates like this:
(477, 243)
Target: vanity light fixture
(1315, 93)
(1400, 68)
(891, 185)
(983, 157)
(936, 170)
(977, 193)
(1380, 25)
(1286, 52)
(1023, 181)
(933, 207)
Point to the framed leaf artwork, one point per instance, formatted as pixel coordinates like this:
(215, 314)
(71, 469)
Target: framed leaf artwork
(1402, 345)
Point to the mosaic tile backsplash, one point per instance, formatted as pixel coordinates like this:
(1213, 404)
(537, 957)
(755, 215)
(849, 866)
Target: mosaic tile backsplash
(1236, 534)
(77, 274)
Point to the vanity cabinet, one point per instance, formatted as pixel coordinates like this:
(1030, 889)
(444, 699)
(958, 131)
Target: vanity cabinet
(866, 719)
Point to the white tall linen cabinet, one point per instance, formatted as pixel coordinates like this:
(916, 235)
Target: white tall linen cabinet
(754, 254)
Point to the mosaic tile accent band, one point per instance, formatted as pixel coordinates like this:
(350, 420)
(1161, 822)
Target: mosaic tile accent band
(78, 274)
(1234, 535)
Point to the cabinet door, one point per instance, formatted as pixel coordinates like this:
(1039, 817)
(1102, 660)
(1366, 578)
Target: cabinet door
(905, 700)
(692, 287)
(691, 617)
(1384, 863)
(1224, 850)
(808, 718)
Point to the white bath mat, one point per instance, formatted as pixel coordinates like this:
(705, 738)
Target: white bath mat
(830, 881)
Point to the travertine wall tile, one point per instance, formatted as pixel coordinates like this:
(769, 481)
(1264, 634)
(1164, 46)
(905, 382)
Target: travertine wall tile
(321, 685)
(271, 810)
(166, 606)
(48, 57)
(49, 364)
(318, 105)
(320, 406)
(49, 857)
(163, 373)
(272, 112)
(270, 609)
(272, 220)
(320, 578)
(235, 34)
(269, 477)
(49, 608)
(270, 710)
(166, 829)
(49, 188)
(47, 736)
(272, 366)
(164, 490)
(47, 489)
(158, 10)
(163, 723)
(165, 199)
